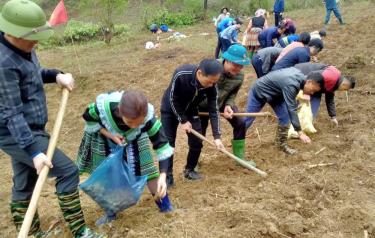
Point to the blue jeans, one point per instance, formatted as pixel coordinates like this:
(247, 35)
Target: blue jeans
(225, 44)
(315, 103)
(255, 104)
(277, 18)
(257, 64)
(336, 11)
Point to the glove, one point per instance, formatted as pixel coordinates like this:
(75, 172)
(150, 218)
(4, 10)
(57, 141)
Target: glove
(39, 161)
(65, 81)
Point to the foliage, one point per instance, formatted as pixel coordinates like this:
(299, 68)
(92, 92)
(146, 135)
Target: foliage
(165, 16)
(82, 31)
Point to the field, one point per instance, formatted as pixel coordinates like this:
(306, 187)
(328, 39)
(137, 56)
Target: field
(294, 201)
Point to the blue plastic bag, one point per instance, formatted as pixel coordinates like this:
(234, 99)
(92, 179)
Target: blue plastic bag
(113, 184)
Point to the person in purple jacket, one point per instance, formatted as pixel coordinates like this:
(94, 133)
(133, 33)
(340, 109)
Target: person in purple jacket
(299, 55)
(267, 36)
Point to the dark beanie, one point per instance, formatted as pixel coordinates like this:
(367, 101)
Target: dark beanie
(304, 38)
(210, 67)
(317, 43)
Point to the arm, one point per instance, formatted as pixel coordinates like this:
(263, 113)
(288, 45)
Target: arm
(49, 75)
(330, 103)
(290, 95)
(11, 112)
(212, 95)
(159, 143)
(92, 119)
(175, 96)
(249, 25)
(265, 24)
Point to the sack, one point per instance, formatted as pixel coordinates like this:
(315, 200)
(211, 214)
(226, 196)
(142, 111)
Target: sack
(305, 118)
(113, 184)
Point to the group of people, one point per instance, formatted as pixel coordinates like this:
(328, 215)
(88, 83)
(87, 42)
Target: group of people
(127, 118)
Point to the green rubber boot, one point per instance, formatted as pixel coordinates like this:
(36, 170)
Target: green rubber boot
(238, 147)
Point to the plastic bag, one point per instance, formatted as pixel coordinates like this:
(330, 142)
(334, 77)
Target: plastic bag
(305, 117)
(113, 184)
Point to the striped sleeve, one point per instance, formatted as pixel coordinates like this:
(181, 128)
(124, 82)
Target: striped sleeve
(158, 139)
(92, 119)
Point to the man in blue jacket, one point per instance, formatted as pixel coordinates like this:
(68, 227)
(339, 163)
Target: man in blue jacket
(331, 5)
(278, 9)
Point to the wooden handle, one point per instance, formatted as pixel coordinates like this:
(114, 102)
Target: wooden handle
(243, 114)
(240, 161)
(44, 173)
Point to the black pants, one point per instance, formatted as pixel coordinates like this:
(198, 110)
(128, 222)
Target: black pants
(237, 123)
(170, 124)
(278, 18)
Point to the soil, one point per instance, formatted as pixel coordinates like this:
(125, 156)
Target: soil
(293, 201)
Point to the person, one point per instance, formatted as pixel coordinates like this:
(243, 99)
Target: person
(331, 5)
(304, 40)
(256, 25)
(290, 26)
(278, 10)
(154, 28)
(264, 60)
(286, 40)
(229, 36)
(318, 34)
(189, 86)
(229, 84)
(126, 117)
(23, 117)
(299, 55)
(333, 81)
(225, 23)
(224, 13)
(279, 89)
(267, 36)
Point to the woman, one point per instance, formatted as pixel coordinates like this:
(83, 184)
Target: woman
(255, 27)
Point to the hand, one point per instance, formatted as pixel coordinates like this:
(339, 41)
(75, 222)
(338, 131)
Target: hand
(161, 189)
(118, 139)
(303, 137)
(40, 161)
(186, 127)
(219, 144)
(335, 121)
(65, 81)
(228, 112)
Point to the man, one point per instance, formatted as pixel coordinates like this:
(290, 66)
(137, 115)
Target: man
(264, 60)
(23, 116)
(331, 5)
(230, 82)
(333, 81)
(267, 36)
(278, 9)
(225, 23)
(299, 55)
(190, 85)
(279, 89)
(229, 36)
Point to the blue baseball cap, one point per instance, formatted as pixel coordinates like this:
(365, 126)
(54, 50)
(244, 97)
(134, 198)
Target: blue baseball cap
(237, 54)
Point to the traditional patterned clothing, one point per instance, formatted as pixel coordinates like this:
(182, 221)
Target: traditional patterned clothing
(94, 147)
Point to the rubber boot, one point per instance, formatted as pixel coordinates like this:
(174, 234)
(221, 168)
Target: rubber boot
(18, 210)
(164, 204)
(281, 140)
(238, 147)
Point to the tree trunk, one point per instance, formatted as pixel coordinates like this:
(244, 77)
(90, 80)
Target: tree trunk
(161, 2)
(205, 7)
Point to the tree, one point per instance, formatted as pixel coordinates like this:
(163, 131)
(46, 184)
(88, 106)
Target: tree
(205, 7)
(104, 11)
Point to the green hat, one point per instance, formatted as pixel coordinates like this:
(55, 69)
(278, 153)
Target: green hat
(24, 19)
(237, 54)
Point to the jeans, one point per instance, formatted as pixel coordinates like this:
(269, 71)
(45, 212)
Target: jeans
(24, 173)
(257, 64)
(218, 46)
(277, 18)
(254, 104)
(336, 11)
(225, 44)
(315, 103)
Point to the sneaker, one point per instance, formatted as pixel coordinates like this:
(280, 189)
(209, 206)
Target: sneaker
(170, 181)
(107, 218)
(192, 175)
(88, 233)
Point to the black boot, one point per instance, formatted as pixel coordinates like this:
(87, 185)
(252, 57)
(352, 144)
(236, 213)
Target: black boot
(281, 140)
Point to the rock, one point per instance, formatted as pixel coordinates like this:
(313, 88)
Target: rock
(293, 224)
